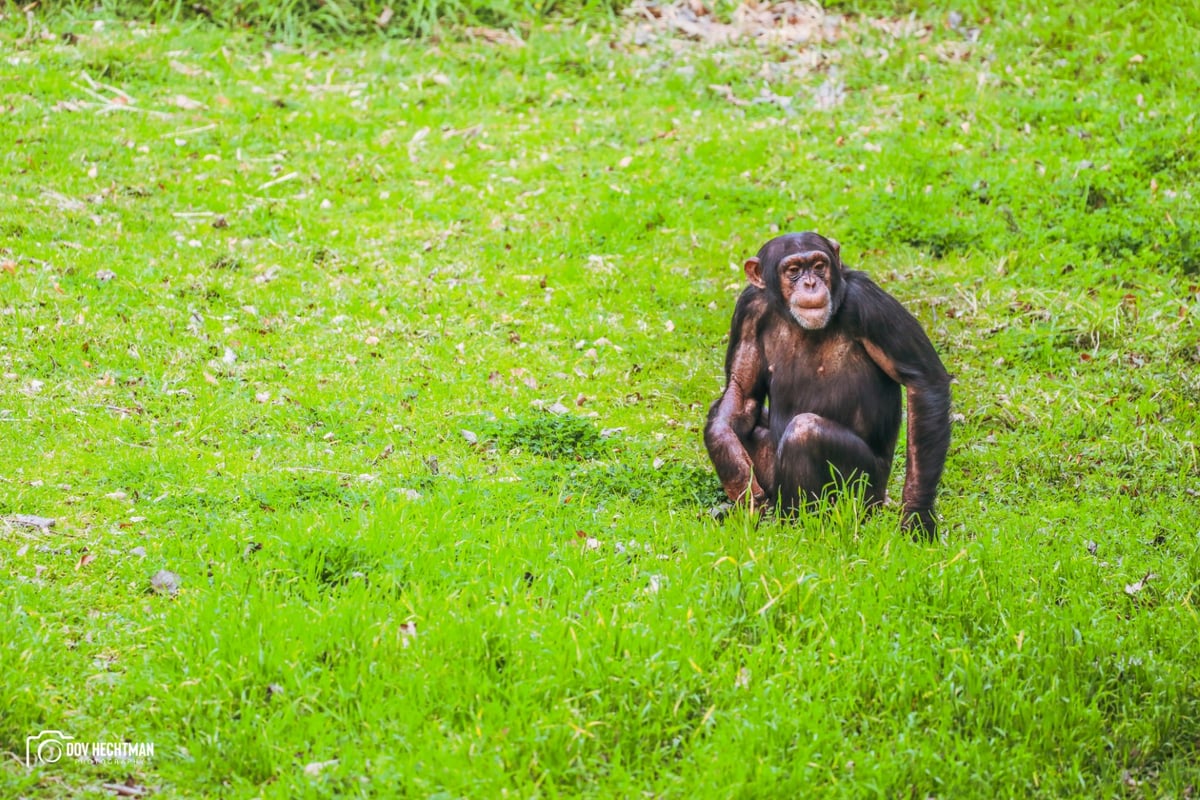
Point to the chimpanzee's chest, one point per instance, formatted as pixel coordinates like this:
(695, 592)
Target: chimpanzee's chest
(827, 373)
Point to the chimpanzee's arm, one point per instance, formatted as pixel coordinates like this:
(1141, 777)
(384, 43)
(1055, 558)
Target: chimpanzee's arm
(897, 343)
(732, 418)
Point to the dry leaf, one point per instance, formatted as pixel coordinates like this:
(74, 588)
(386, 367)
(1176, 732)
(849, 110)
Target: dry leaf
(184, 102)
(1132, 589)
(185, 69)
(165, 582)
(387, 451)
(495, 36)
(829, 95)
(84, 560)
(727, 93)
(30, 521)
(315, 768)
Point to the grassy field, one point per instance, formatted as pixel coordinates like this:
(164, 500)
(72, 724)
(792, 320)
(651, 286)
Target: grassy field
(365, 380)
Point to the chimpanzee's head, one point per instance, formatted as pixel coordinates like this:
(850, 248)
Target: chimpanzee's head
(802, 273)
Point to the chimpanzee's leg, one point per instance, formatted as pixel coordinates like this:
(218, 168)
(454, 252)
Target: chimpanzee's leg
(810, 445)
(761, 448)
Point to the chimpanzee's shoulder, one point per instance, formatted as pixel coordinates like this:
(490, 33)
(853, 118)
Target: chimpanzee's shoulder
(862, 291)
(859, 283)
(752, 298)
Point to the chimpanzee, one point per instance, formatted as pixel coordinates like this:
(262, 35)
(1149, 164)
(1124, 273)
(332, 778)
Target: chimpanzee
(817, 354)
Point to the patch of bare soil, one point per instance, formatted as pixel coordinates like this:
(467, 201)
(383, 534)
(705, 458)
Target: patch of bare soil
(779, 24)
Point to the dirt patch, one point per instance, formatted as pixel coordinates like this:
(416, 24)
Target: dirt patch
(777, 24)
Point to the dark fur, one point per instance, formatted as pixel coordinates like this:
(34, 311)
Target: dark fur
(798, 401)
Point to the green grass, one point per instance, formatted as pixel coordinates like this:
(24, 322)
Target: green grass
(299, 323)
(311, 19)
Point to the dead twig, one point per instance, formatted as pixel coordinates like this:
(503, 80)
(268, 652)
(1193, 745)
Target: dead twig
(120, 100)
(188, 131)
(316, 469)
(28, 37)
(291, 176)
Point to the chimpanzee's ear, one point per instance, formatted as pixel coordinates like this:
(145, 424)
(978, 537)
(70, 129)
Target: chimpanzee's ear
(754, 273)
(837, 250)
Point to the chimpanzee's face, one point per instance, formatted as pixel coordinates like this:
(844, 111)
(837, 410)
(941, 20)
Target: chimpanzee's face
(801, 271)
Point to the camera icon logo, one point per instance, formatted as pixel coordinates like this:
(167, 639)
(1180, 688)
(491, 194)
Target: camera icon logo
(45, 748)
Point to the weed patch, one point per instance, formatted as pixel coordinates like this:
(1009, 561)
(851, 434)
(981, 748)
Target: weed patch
(673, 484)
(554, 436)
